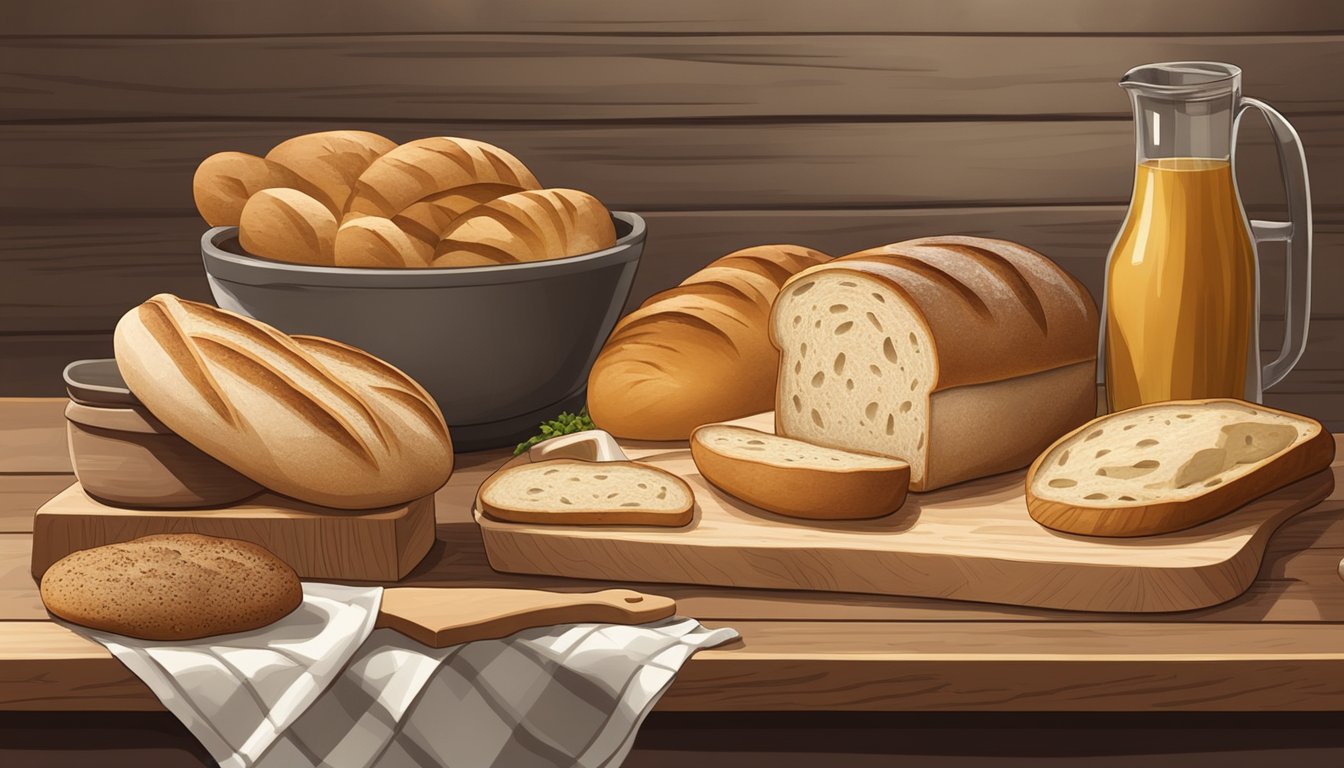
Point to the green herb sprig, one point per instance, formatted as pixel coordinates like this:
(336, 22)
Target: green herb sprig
(564, 424)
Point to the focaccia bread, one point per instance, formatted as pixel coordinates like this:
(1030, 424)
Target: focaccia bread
(960, 355)
(698, 353)
(309, 418)
(1168, 466)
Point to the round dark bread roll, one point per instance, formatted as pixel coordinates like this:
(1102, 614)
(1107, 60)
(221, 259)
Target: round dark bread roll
(176, 586)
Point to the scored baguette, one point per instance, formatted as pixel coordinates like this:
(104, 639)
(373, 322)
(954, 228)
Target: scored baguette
(429, 218)
(570, 492)
(798, 479)
(288, 225)
(224, 181)
(1169, 466)
(373, 241)
(532, 225)
(308, 418)
(330, 162)
(424, 168)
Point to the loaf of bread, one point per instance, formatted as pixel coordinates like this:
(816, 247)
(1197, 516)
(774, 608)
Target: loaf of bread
(571, 492)
(224, 182)
(373, 241)
(308, 418)
(961, 355)
(428, 219)
(424, 168)
(1169, 466)
(698, 353)
(176, 586)
(533, 225)
(330, 162)
(798, 479)
(287, 225)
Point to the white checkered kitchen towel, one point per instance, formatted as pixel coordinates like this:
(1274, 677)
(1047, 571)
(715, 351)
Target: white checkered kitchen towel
(321, 688)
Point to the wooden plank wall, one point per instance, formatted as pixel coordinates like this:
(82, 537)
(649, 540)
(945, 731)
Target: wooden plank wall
(727, 123)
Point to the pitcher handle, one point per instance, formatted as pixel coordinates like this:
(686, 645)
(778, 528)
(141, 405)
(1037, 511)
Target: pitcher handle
(1296, 233)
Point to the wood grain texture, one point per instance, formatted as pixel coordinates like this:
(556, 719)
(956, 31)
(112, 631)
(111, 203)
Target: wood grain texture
(973, 541)
(876, 666)
(34, 434)
(439, 618)
(567, 78)
(375, 545)
(111, 170)
(260, 17)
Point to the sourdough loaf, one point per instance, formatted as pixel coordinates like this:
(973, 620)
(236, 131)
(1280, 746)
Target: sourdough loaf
(309, 418)
(698, 353)
(175, 586)
(1169, 466)
(960, 355)
(532, 225)
(798, 479)
(571, 492)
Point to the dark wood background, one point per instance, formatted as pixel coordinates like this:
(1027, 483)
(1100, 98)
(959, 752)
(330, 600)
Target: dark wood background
(839, 125)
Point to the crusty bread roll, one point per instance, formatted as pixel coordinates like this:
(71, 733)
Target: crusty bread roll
(224, 181)
(534, 225)
(961, 355)
(330, 161)
(424, 168)
(312, 419)
(698, 353)
(429, 218)
(288, 225)
(373, 241)
(172, 586)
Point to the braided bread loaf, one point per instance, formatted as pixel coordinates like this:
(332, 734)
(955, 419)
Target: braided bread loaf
(697, 353)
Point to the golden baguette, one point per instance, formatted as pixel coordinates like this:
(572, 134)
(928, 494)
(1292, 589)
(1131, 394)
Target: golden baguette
(420, 169)
(309, 418)
(527, 226)
(224, 181)
(376, 242)
(428, 219)
(287, 225)
(330, 162)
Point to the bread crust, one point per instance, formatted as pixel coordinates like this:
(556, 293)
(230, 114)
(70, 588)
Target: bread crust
(662, 518)
(697, 353)
(177, 586)
(532, 225)
(224, 181)
(427, 167)
(1296, 463)
(330, 162)
(309, 418)
(854, 493)
(960, 287)
(287, 225)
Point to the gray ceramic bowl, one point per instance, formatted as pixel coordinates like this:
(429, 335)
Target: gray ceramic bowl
(500, 348)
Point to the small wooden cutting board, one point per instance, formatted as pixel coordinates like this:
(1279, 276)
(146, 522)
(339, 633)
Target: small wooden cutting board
(440, 617)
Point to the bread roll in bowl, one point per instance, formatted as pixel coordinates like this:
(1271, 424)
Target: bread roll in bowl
(376, 242)
(288, 225)
(420, 169)
(527, 226)
(330, 162)
(224, 182)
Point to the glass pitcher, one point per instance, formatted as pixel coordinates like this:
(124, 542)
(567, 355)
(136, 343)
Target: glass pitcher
(1181, 312)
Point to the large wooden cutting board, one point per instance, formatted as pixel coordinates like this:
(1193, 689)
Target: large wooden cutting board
(973, 541)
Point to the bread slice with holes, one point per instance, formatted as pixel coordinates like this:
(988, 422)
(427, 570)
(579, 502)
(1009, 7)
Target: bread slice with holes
(961, 355)
(798, 479)
(1169, 466)
(570, 492)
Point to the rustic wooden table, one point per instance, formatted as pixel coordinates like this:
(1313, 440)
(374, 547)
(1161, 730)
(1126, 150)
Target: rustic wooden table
(1280, 647)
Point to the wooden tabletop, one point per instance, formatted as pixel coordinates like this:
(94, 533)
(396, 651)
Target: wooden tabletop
(1278, 647)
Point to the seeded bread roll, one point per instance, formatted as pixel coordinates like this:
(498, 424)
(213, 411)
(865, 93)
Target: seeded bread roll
(798, 479)
(330, 162)
(1169, 466)
(698, 353)
(534, 225)
(422, 169)
(569, 492)
(288, 225)
(224, 182)
(309, 418)
(961, 355)
(177, 586)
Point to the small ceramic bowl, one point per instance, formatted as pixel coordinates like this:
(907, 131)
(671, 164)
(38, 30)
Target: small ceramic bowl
(124, 456)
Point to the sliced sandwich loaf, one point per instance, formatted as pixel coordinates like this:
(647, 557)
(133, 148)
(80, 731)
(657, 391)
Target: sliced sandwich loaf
(1164, 467)
(960, 355)
(793, 478)
(571, 492)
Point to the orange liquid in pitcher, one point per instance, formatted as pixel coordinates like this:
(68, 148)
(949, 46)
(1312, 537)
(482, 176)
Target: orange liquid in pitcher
(1181, 287)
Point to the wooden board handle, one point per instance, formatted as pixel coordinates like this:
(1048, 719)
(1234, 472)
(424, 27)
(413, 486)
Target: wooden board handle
(440, 617)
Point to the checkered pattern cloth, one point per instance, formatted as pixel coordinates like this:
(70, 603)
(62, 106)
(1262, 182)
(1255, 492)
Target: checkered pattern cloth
(321, 688)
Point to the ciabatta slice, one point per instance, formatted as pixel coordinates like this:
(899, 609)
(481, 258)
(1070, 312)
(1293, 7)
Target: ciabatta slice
(798, 479)
(570, 492)
(1169, 466)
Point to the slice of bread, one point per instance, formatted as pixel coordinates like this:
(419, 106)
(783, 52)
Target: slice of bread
(571, 492)
(1169, 466)
(798, 479)
(172, 586)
